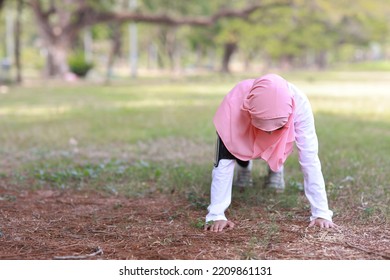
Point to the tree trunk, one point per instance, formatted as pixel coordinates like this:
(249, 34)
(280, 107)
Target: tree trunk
(230, 48)
(116, 43)
(321, 60)
(286, 62)
(57, 58)
(57, 39)
(211, 55)
(152, 58)
(170, 45)
(248, 60)
(18, 32)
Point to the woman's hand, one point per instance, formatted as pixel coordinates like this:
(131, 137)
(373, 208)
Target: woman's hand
(219, 225)
(322, 223)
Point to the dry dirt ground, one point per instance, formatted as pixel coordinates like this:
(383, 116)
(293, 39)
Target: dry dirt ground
(55, 224)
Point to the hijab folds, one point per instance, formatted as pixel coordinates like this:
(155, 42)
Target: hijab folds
(256, 120)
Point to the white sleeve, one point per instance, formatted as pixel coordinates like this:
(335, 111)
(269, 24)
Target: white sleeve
(221, 190)
(307, 145)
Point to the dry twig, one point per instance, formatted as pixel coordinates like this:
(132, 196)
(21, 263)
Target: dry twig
(98, 251)
(387, 257)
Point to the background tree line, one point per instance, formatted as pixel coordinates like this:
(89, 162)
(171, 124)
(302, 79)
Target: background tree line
(202, 34)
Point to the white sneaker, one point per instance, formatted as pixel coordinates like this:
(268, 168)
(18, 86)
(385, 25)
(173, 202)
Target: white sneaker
(243, 177)
(275, 180)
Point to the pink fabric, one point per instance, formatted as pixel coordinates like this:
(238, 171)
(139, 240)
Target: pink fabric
(264, 103)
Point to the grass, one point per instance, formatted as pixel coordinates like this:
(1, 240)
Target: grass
(156, 136)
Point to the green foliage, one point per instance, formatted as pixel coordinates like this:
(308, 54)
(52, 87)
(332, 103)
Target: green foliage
(104, 5)
(366, 66)
(198, 223)
(72, 176)
(79, 65)
(100, 32)
(197, 201)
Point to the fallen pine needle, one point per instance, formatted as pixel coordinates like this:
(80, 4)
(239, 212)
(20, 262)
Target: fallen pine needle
(98, 251)
(385, 256)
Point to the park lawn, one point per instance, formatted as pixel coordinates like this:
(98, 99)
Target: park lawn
(155, 137)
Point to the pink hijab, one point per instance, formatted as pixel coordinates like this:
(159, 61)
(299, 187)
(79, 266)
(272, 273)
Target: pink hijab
(249, 112)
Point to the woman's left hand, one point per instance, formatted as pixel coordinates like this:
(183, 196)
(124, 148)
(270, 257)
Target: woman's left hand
(322, 223)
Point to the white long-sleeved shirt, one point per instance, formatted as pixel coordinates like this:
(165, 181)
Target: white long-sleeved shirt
(307, 145)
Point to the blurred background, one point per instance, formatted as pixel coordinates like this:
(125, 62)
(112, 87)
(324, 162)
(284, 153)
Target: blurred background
(104, 40)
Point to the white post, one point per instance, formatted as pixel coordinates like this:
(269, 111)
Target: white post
(9, 23)
(133, 43)
(88, 44)
(153, 56)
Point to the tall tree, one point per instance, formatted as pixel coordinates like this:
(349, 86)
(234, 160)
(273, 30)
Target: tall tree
(1, 4)
(18, 35)
(116, 43)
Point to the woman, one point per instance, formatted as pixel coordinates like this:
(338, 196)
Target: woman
(262, 119)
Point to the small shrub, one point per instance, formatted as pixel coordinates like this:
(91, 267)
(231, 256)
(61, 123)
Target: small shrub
(78, 65)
